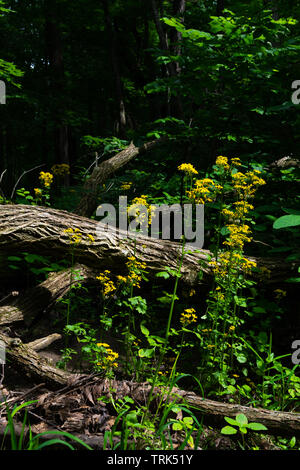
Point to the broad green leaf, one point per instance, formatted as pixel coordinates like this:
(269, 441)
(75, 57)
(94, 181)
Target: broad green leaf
(177, 426)
(146, 352)
(228, 430)
(144, 330)
(257, 427)
(241, 419)
(286, 221)
(163, 274)
(230, 421)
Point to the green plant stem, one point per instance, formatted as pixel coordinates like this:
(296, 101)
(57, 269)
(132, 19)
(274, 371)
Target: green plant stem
(163, 351)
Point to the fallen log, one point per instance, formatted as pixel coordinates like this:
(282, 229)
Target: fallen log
(29, 363)
(42, 343)
(276, 422)
(89, 199)
(40, 299)
(41, 230)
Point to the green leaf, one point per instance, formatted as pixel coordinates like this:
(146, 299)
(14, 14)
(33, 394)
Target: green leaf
(241, 419)
(257, 427)
(241, 358)
(14, 258)
(230, 421)
(146, 352)
(177, 426)
(228, 430)
(286, 221)
(144, 330)
(163, 274)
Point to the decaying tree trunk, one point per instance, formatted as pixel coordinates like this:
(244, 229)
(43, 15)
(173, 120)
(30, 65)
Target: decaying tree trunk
(91, 188)
(41, 298)
(29, 363)
(42, 343)
(41, 230)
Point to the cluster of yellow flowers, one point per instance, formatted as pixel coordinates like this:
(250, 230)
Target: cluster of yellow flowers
(279, 294)
(76, 237)
(126, 185)
(46, 179)
(109, 360)
(233, 261)
(38, 193)
(204, 190)
(135, 267)
(188, 168)
(61, 169)
(238, 236)
(241, 209)
(107, 283)
(188, 316)
(223, 162)
(246, 184)
(134, 209)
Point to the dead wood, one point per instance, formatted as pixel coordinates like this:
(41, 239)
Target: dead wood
(42, 343)
(40, 299)
(41, 230)
(277, 422)
(28, 362)
(89, 199)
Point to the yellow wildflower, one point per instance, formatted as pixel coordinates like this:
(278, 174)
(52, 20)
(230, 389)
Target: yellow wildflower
(46, 179)
(222, 162)
(236, 161)
(108, 285)
(61, 170)
(188, 168)
(125, 186)
(38, 193)
(188, 316)
(279, 293)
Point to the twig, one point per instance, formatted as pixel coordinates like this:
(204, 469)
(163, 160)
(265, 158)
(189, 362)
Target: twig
(23, 174)
(13, 400)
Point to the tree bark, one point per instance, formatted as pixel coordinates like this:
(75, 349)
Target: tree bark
(41, 230)
(54, 53)
(176, 36)
(41, 298)
(277, 422)
(43, 343)
(28, 362)
(89, 199)
(111, 33)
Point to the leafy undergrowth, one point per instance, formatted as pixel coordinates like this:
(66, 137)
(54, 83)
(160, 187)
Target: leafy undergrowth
(219, 340)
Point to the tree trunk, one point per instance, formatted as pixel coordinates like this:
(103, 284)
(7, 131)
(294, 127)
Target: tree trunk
(41, 298)
(54, 53)
(89, 200)
(176, 36)
(111, 34)
(41, 230)
(28, 362)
